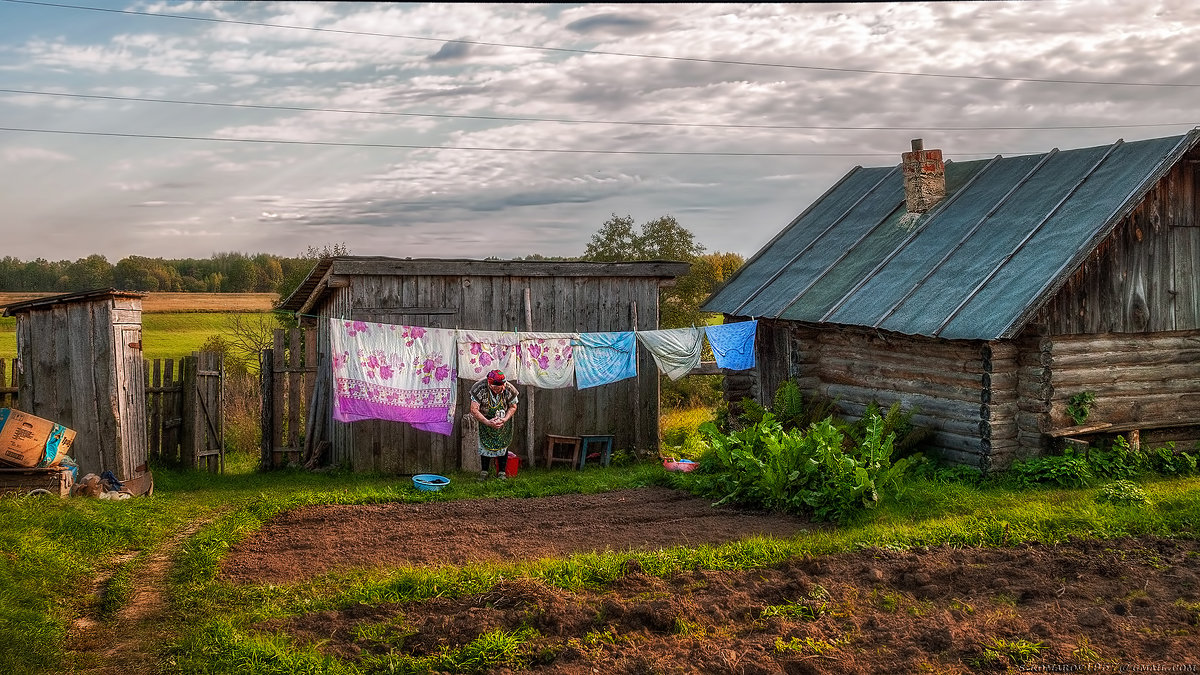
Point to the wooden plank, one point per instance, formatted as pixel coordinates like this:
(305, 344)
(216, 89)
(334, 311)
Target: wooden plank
(172, 411)
(267, 417)
(1079, 429)
(500, 268)
(295, 390)
(279, 395)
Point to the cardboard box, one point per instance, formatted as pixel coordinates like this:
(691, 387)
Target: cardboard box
(27, 441)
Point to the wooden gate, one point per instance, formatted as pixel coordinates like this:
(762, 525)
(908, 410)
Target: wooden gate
(184, 411)
(289, 373)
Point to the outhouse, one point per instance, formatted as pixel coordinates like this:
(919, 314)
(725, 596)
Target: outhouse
(79, 363)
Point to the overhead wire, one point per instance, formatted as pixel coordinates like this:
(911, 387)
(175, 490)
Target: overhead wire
(599, 52)
(408, 146)
(560, 120)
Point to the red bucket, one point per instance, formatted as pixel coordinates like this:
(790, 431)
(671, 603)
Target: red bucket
(511, 465)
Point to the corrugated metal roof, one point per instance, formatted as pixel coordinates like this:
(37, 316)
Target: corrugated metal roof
(1008, 231)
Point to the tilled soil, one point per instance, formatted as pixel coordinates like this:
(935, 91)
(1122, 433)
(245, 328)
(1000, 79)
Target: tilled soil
(1087, 606)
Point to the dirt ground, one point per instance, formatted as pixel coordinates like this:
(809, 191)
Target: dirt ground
(1088, 606)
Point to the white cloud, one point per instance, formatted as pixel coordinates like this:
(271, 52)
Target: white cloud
(15, 155)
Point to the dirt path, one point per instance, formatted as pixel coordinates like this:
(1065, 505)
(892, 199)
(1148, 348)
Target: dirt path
(124, 644)
(1097, 605)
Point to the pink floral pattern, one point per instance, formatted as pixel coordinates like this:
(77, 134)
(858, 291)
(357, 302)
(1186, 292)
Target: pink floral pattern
(392, 372)
(546, 360)
(482, 351)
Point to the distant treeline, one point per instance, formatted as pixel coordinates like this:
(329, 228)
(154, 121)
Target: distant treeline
(222, 273)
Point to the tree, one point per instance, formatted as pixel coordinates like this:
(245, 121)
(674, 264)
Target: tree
(88, 273)
(660, 239)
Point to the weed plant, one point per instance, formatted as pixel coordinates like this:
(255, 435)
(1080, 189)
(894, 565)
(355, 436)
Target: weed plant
(764, 466)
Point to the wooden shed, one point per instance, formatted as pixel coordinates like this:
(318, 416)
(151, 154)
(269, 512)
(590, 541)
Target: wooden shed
(544, 296)
(80, 364)
(989, 293)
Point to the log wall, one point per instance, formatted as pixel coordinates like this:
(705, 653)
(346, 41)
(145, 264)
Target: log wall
(1149, 378)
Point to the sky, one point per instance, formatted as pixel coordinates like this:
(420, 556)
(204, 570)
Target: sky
(184, 129)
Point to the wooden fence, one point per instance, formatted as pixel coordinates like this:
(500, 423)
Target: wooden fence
(8, 392)
(184, 405)
(289, 373)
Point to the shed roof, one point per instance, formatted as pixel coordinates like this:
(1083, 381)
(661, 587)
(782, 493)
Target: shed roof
(1010, 231)
(82, 296)
(316, 284)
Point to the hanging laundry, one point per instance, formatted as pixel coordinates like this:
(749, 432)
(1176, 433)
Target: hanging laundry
(546, 360)
(675, 350)
(481, 351)
(391, 372)
(603, 358)
(733, 344)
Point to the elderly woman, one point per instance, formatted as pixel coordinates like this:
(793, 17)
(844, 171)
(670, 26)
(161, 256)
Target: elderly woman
(493, 403)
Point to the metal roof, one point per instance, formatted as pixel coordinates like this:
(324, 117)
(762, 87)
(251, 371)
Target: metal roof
(977, 266)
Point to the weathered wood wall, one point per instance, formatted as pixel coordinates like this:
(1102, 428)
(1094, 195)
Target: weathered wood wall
(83, 368)
(561, 299)
(1145, 277)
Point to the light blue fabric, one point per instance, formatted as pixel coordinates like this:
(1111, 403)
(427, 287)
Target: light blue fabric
(603, 358)
(675, 350)
(733, 344)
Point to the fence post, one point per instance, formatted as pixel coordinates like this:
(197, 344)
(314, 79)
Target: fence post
(187, 444)
(266, 375)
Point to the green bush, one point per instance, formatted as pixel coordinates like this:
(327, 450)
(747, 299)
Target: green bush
(1167, 461)
(1122, 492)
(765, 466)
(1066, 470)
(1118, 461)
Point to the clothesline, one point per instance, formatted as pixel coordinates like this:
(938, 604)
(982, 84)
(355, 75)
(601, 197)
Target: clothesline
(408, 373)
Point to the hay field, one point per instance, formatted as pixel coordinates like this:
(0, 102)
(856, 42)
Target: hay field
(181, 302)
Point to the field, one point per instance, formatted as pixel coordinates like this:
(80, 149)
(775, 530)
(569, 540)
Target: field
(603, 570)
(173, 324)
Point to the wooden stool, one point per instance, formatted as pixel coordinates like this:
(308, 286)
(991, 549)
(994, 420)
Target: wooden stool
(556, 443)
(603, 444)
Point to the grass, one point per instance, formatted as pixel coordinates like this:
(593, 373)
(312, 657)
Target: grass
(53, 549)
(165, 335)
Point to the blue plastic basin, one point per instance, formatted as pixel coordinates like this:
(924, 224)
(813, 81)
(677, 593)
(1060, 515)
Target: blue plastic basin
(430, 481)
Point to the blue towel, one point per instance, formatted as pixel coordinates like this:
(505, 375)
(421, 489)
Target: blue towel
(733, 344)
(602, 358)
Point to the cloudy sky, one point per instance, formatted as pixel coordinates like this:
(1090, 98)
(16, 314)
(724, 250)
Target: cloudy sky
(180, 129)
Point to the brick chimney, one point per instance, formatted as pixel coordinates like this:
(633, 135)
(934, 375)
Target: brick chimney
(924, 178)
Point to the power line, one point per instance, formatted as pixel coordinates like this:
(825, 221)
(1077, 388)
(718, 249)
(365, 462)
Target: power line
(505, 118)
(567, 50)
(400, 146)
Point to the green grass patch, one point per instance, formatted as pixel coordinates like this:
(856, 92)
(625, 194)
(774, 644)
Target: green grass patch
(51, 551)
(165, 335)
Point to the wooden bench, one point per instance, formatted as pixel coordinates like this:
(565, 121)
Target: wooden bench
(1134, 429)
